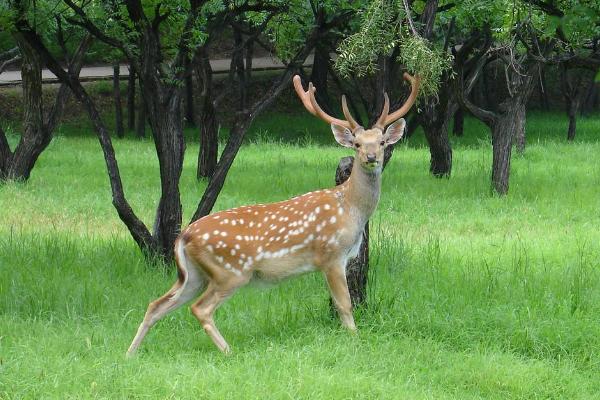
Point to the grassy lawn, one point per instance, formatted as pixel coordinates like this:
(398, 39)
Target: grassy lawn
(471, 296)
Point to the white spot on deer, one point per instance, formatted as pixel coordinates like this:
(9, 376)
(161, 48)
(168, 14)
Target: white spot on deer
(281, 230)
(205, 236)
(209, 248)
(317, 210)
(327, 206)
(259, 249)
(215, 232)
(233, 222)
(340, 211)
(251, 224)
(237, 246)
(225, 221)
(223, 234)
(332, 219)
(219, 259)
(241, 221)
(233, 252)
(259, 225)
(238, 237)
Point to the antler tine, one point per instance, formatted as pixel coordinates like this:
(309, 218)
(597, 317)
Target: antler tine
(310, 103)
(347, 114)
(323, 115)
(384, 112)
(303, 95)
(415, 81)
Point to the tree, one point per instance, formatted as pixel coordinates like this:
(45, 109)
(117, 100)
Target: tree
(38, 125)
(383, 37)
(147, 42)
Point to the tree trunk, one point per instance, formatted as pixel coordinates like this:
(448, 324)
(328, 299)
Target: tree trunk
(117, 96)
(167, 132)
(507, 125)
(189, 98)
(458, 123)
(357, 270)
(440, 164)
(249, 57)
(237, 61)
(209, 129)
(318, 77)
(519, 134)
(572, 127)
(141, 117)
(5, 154)
(131, 98)
(35, 138)
(542, 89)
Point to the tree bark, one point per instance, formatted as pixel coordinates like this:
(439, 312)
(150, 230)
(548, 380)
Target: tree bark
(190, 113)
(519, 133)
(574, 90)
(117, 97)
(503, 131)
(5, 154)
(35, 138)
(140, 128)
(440, 164)
(458, 126)
(131, 98)
(318, 77)
(209, 129)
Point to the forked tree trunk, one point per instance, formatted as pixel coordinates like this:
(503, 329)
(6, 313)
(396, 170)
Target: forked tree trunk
(35, 138)
(117, 97)
(37, 129)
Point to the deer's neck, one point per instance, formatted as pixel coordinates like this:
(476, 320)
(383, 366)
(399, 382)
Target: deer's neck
(362, 191)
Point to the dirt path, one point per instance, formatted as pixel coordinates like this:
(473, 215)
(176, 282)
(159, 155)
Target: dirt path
(106, 71)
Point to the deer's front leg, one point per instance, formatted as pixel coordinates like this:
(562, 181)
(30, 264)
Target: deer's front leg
(336, 280)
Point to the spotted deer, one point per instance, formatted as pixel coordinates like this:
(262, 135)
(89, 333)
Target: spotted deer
(317, 231)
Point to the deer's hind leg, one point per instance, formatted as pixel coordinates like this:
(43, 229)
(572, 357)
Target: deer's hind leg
(189, 283)
(222, 285)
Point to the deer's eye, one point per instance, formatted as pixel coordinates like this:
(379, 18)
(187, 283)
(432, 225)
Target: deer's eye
(357, 145)
(382, 143)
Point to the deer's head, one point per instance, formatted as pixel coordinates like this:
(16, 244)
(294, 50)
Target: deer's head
(369, 144)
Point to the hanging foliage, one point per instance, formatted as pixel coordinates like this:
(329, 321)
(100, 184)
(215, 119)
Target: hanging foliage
(382, 28)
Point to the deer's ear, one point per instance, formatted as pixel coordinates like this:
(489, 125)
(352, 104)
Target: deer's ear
(395, 131)
(342, 135)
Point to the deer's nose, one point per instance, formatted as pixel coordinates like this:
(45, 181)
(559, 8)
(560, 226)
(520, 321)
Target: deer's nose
(371, 158)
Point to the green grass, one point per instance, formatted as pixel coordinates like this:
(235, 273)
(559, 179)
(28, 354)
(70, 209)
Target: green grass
(471, 296)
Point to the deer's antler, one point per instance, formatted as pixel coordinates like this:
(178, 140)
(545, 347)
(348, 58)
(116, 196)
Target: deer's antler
(385, 118)
(311, 105)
